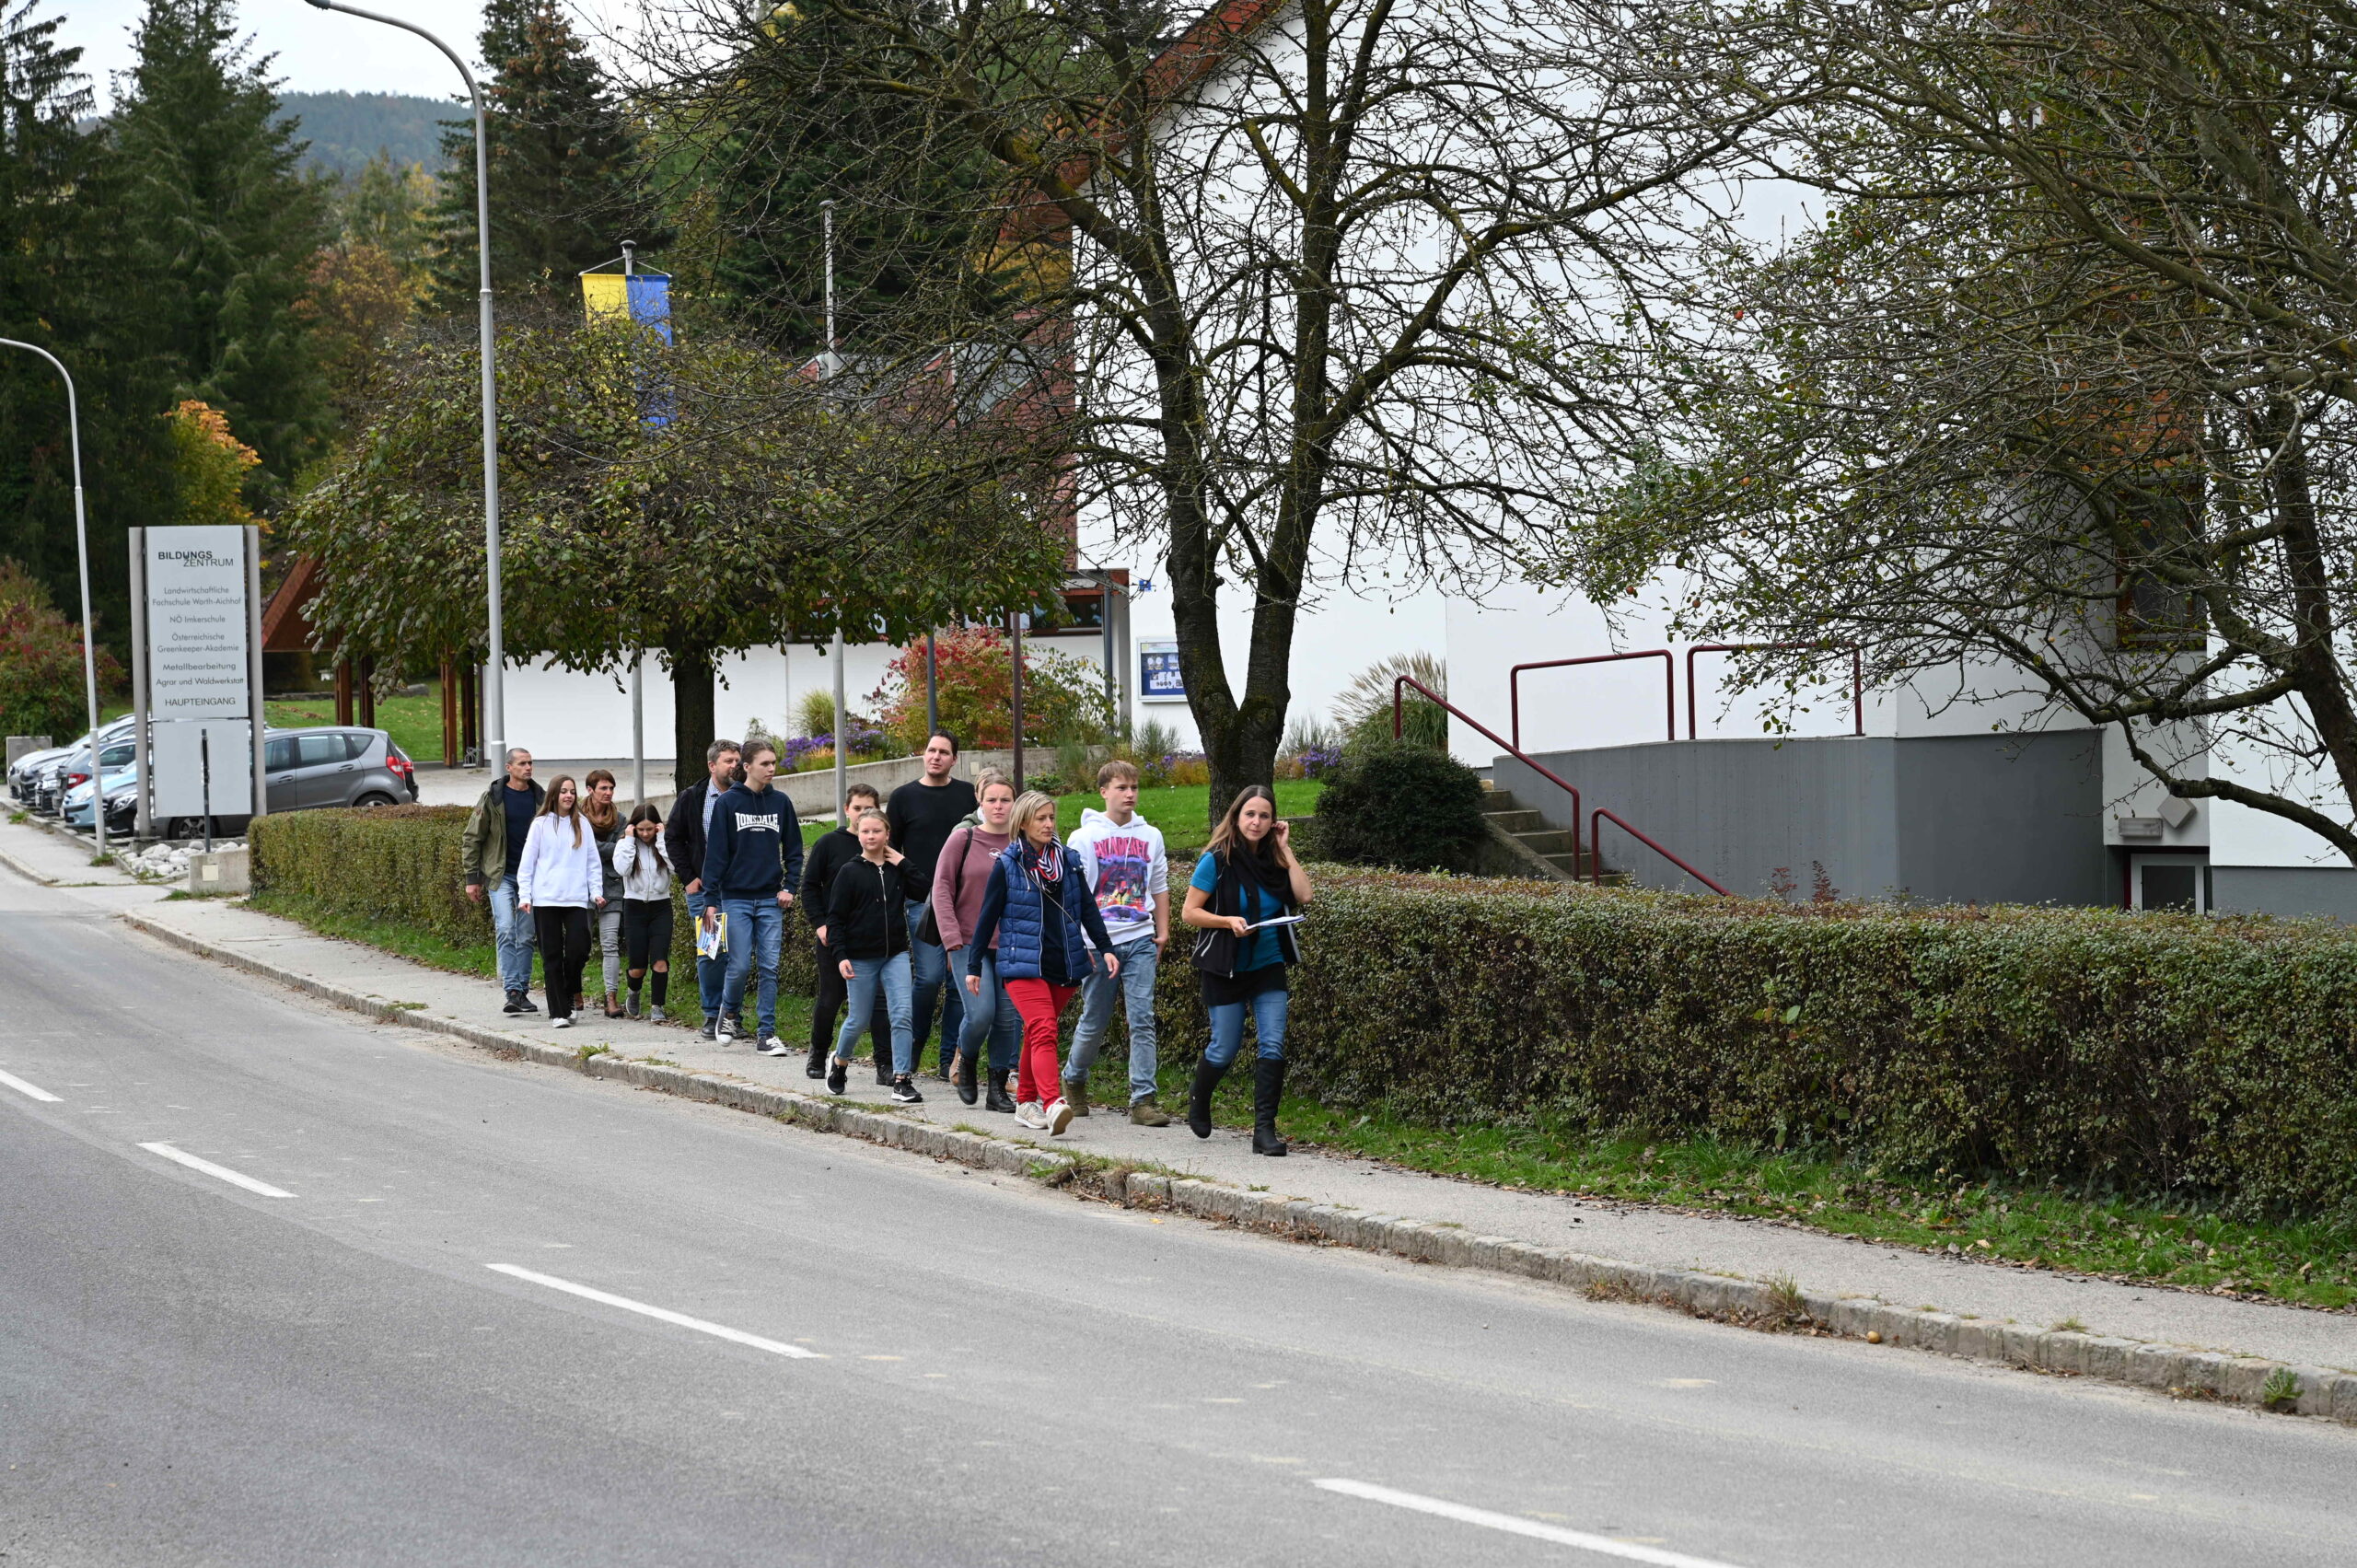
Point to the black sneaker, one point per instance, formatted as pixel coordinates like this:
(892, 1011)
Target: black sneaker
(837, 1077)
(710, 1031)
(516, 1004)
(904, 1091)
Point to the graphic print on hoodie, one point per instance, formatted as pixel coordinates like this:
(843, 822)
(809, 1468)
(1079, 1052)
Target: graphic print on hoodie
(1128, 864)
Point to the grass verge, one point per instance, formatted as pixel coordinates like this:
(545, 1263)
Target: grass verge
(1182, 809)
(2307, 1262)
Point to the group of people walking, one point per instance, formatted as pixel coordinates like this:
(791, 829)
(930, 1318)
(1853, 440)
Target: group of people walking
(948, 898)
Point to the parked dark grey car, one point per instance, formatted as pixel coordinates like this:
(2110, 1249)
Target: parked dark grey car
(335, 766)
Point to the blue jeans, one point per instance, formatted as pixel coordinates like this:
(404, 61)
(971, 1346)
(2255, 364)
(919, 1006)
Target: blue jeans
(929, 976)
(867, 977)
(756, 931)
(1134, 985)
(1268, 1023)
(989, 1014)
(516, 939)
(711, 974)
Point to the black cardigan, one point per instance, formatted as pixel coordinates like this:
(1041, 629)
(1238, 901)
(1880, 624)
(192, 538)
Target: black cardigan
(867, 915)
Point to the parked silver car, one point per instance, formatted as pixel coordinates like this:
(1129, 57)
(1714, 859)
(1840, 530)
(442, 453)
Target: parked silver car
(334, 766)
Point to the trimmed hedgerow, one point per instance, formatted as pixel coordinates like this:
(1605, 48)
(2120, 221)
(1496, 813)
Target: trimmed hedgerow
(2146, 1053)
(400, 864)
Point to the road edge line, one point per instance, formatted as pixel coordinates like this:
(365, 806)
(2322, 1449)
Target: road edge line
(2181, 1371)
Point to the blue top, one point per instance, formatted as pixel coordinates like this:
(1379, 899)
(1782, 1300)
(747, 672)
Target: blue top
(520, 803)
(755, 845)
(1259, 950)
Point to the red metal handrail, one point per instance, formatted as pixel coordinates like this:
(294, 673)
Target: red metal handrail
(1857, 676)
(1398, 700)
(1594, 839)
(1668, 682)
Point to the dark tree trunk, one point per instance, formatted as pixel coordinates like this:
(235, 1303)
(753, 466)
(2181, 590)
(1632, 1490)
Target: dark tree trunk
(692, 706)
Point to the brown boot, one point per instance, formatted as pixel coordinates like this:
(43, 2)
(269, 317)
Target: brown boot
(1145, 1113)
(1076, 1095)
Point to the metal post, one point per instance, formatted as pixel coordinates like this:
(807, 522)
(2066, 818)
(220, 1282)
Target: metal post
(260, 722)
(495, 666)
(143, 824)
(1015, 641)
(843, 756)
(205, 763)
(82, 553)
(932, 685)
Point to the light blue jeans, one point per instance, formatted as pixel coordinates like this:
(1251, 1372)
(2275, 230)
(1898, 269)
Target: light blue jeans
(929, 975)
(756, 931)
(516, 937)
(711, 974)
(1134, 985)
(989, 1014)
(1268, 1025)
(869, 975)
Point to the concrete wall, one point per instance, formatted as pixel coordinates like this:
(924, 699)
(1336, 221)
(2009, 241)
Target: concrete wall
(2284, 890)
(1944, 819)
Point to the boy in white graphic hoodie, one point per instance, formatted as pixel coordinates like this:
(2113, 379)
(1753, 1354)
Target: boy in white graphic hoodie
(1129, 872)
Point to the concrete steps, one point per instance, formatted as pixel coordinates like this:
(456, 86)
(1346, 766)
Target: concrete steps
(1547, 850)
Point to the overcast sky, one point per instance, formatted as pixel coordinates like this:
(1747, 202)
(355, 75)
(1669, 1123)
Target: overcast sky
(317, 51)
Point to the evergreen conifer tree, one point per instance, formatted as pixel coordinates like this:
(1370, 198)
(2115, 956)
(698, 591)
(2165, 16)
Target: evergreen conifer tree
(566, 187)
(224, 226)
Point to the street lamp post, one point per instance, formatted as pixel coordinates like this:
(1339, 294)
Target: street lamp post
(495, 696)
(89, 633)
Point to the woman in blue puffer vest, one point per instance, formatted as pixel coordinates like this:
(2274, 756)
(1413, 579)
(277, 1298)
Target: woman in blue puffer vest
(1038, 904)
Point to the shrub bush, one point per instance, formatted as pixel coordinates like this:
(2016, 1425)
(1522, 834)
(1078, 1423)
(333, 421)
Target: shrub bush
(40, 661)
(1064, 695)
(399, 864)
(2150, 1054)
(1399, 804)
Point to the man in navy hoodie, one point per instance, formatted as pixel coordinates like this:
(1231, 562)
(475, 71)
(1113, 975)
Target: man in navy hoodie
(752, 858)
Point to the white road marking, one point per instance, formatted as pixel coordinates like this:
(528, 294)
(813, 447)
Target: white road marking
(27, 1090)
(664, 1314)
(234, 1177)
(1512, 1525)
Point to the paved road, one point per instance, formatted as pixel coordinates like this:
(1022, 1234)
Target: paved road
(386, 1366)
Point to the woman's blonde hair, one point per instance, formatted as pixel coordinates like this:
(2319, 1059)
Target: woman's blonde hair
(548, 805)
(859, 818)
(1228, 838)
(989, 776)
(1028, 805)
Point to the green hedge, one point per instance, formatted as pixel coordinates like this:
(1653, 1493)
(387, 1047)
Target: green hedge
(399, 864)
(2152, 1053)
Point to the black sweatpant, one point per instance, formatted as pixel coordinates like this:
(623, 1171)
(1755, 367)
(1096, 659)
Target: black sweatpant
(646, 939)
(565, 948)
(826, 1007)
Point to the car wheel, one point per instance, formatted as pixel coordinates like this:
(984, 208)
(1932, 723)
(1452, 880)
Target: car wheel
(370, 802)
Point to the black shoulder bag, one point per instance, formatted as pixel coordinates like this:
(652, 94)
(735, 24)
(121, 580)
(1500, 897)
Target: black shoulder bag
(929, 927)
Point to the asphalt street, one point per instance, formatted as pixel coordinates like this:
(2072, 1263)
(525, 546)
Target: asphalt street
(282, 1286)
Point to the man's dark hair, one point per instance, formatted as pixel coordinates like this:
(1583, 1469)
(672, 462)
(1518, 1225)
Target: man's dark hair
(712, 753)
(868, 790)
(942, 735)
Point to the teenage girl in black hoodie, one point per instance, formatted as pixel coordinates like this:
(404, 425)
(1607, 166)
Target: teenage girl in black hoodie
(867, 936)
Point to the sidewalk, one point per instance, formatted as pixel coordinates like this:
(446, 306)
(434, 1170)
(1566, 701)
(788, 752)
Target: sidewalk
(1661, 1239)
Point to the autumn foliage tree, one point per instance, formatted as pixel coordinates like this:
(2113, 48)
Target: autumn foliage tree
(1064, 697)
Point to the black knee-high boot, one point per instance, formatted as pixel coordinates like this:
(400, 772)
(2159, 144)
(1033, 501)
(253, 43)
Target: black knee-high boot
(1198, 1100)
(1268, 1093)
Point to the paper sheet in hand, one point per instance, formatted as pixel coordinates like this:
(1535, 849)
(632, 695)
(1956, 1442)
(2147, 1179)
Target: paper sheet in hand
(1281, 920)
(712, 940)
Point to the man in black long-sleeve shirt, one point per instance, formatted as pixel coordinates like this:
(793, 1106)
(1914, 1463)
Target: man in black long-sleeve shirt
(829, 855)
(922, 813)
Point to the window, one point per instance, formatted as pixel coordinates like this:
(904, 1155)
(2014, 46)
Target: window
(278, 755)
(2165, 519)
(315, 749)
(2169, 882)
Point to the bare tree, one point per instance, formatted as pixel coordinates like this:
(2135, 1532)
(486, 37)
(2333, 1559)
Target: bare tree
(1344, 287)
(2065, 384)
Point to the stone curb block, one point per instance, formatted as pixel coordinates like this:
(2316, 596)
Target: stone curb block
(25, 871)
(2177, 1369)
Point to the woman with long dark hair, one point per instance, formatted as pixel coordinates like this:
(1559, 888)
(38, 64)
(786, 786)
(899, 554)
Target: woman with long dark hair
(1037, 904)
(645, 871)
(560, 881)
(1246, 894)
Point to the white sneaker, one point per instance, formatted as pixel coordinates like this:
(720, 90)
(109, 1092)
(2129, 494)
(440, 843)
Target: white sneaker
(1059, 1117)
(724, 1030)
(1028, 1114)
(773, 1046)
(564, 1023)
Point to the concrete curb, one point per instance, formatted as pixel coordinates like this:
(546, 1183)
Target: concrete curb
(26, 872)
(2181, 1371)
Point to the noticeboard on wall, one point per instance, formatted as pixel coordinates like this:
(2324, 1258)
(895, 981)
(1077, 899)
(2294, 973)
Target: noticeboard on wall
(1158, 677)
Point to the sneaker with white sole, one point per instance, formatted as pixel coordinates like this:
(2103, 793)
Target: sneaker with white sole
(1028, 1114)
(904, 1091)
(1059, 1117)
(655, 1015)
(771, 1047)
(564, 1023)
(725, 1030)
(838, 1075)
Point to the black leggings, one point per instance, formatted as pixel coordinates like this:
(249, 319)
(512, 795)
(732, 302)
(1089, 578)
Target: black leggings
(827, 1006)
(646, 934)
(564, 947)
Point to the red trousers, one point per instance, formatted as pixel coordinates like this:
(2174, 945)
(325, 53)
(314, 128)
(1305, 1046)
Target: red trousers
(1041, 1004)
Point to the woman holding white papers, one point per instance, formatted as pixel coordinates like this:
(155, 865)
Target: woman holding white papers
(1245, 897)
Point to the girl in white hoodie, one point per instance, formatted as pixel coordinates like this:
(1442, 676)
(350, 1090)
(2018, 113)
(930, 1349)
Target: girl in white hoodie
(640, 862)
(560, 881)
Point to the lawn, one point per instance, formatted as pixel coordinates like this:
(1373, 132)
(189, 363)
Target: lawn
(415, 723)
(1179, 810)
